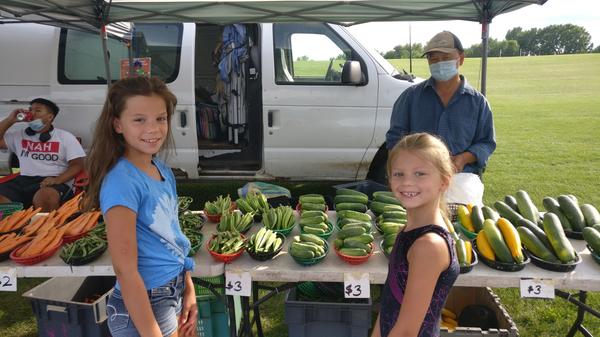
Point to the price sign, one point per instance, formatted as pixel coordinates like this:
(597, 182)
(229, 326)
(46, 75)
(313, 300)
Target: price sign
(239, 284)
(356, 285)
(8, 279)
(537, 288)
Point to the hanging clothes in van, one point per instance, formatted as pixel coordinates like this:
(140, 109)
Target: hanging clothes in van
(232, 73)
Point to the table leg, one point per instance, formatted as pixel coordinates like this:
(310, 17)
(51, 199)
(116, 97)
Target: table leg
(246, 330)
(582, 308)
(231, 308)
(255, 289)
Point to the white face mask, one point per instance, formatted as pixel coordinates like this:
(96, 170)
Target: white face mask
(36, 125)
(444, 70)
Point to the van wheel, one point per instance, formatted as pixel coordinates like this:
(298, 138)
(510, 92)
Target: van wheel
(378, 168)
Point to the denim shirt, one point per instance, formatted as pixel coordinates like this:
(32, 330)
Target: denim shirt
(466, 124)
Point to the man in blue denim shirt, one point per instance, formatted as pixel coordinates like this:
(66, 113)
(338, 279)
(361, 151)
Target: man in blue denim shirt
(447, 106)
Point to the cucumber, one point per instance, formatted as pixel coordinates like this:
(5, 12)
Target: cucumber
(364, 238)
(490, 213)
(338, 243)
(379, 207)
(353, 243)
(386, 193)
(346, 221)
(511, 202)
(312, 238)
(313, 230)
(535, 245)
(354, 206)
(394, 215)
(477, 218)
(537, 231)
(590, 214)
(320, 225)
(551, 205)
(354, 215)
(387, 200)
(312, 199)
(313, 207)
(391, 228)
(571, 210)
(592, 237)
(309, 214)
(494, 236)
(347, 191)
(526, 207)
(301, 253)
(353, 252)
(389, 239)
(556, 235)
(351, 231)
(312, 220)
(391, 207)
(507, 212)
(596, 226)
(339, 199)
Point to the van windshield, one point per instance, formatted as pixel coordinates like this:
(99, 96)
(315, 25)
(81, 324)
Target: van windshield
(387, 66)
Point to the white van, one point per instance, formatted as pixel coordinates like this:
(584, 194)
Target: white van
(312, 103)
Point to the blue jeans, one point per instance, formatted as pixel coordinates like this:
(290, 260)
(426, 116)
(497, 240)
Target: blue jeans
(166, 304)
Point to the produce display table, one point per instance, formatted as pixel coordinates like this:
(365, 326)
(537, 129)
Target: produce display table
(585, 277)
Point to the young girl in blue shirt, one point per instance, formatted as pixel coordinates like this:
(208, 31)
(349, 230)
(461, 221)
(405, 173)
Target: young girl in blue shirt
(154, 294)
(423, 264)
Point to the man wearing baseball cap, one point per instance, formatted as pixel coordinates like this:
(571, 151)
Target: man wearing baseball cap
(447, 106)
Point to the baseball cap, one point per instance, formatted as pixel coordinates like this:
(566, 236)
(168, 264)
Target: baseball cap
(444, 42)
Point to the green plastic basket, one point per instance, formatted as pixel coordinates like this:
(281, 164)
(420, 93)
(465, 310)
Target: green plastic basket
(10, 207)
(314, 260)
(205, 293)
(286, 231)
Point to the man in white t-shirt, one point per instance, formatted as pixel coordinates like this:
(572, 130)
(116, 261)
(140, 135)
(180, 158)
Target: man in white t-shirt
(49, 158)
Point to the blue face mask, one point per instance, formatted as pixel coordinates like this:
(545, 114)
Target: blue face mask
(36, 125)
(444, 70)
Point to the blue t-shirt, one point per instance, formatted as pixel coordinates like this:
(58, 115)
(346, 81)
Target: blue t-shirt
(466, 124)
(161, 245)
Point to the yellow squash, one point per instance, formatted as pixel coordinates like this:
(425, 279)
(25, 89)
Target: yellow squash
(484, 246)
(512, 239)
(464, 216)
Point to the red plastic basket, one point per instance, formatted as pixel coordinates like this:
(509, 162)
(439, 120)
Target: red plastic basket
(225, 258)
(27, 261)
(216, 218)
(354, 259)
(299, 208)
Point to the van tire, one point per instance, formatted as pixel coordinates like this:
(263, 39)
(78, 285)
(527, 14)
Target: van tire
(378, 169)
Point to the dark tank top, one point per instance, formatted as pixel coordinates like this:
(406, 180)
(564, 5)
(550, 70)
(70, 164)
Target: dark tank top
(393, 290)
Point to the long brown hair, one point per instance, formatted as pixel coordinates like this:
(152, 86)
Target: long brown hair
(429, 148)
(107, 145)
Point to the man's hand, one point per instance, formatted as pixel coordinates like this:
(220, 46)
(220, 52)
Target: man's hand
(460, 160)
(50, 181)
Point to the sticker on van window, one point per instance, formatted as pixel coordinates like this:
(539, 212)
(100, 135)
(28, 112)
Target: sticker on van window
(140, 67)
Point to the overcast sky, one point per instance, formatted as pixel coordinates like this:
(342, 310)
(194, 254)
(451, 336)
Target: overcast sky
(584, 13)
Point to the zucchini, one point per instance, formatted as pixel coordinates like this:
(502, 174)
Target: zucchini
(572, 211)
(507, 212)
(526, 207)
(590, 214)
(354, 243)
(484, 247)
(490, 213)
(464, 217)
(592, 237)
(537, 231)
(556, 235)
(461, 252)
(477, 218)
(312, 238)
(321, 225)
(551, 205)
(313, 230)
(535, 245)
(511, 202)
(494, 237)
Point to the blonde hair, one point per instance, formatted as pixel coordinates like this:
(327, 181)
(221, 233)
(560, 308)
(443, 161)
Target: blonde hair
(107, 145)
(432, 150)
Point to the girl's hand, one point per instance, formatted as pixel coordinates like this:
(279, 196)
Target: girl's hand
(189, 313)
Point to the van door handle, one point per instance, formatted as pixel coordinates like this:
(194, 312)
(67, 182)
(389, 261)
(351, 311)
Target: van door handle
(270, 117)
(183, 118)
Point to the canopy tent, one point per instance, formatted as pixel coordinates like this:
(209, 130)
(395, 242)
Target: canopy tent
(95, 14)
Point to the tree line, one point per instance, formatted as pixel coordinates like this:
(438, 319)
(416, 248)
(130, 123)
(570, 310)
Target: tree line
(550, 40)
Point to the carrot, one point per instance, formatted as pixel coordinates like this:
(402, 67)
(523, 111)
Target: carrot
(14, 218)
(48, 225)
(55, 240)
(26, 218)
(36, 240)
(33, 226)
(13, 244)
(74, 230)
(7, 237)
(75, 225)
(39, 246)
(92, 221)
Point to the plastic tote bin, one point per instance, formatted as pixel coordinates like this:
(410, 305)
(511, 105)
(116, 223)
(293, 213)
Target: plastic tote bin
(365, 186)
(61, 308)
(213, 318)
(327, 319)
(460, 297)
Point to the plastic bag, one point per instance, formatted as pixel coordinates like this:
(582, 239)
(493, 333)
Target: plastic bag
(465, 188)
(269, 190)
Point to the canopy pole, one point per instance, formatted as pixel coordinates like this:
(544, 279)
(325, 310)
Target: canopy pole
(485, 34)
(104, 38)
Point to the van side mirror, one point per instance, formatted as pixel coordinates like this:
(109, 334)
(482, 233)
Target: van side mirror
(352, 73)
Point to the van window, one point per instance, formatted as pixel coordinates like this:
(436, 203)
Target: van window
(81, 60)
(309, 53)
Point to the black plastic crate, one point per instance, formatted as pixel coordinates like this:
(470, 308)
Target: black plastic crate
(365, 186)
(61, 308)
(331, 319)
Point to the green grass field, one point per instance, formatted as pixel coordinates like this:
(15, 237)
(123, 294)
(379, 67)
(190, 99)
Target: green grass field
(545, 108)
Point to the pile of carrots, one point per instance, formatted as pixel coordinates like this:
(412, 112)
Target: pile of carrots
(45, 231)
